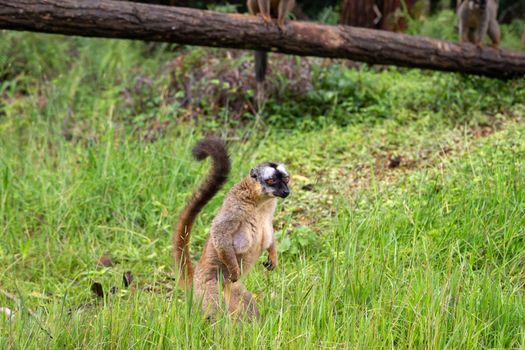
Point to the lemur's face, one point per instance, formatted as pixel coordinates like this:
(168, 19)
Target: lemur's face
(273, 178)
(477, 4)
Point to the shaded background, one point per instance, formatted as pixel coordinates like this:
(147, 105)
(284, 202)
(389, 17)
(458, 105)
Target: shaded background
(361, 12)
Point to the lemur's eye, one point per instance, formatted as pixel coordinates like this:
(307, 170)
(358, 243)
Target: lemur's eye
(270, 182)
(286, 179)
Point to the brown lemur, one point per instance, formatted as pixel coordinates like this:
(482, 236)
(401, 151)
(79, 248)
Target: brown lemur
(268, 9)
(240, 232)
(476, 19)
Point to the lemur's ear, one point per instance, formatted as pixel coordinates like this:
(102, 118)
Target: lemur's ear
(253, 174)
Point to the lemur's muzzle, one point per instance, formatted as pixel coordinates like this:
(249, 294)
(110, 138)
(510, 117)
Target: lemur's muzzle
(283, 193)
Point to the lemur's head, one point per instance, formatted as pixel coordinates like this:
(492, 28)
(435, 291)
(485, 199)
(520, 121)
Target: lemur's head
(273, 179)
(477, 4)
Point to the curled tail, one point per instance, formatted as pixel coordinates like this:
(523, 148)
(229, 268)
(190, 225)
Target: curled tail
(218, 175)
(261, 64)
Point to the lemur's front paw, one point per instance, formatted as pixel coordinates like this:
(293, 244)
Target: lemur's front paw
(234, 275)
(281, 24)
(269, 265)
(267, 19)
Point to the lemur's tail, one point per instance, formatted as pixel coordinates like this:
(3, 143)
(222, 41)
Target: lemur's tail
(220, 170)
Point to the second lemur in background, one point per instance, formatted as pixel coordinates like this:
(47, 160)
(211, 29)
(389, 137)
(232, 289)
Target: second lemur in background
(268, 9)
(476, 19)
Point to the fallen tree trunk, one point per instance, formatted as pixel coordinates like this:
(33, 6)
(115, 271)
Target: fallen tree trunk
(117, 19)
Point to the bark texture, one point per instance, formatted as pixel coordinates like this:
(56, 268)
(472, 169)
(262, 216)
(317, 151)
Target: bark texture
(127, 20)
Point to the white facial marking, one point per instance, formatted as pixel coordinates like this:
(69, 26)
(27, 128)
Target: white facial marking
(282, 170)
(268, 172)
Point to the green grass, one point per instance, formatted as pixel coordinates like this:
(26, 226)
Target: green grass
(95, 140)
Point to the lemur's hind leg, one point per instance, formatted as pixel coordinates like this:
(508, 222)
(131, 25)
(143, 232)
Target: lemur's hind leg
(208, 295)
(240, 301)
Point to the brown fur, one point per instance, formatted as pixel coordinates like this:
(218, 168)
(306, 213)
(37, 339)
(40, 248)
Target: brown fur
(474, 24)
(239, 233)
(271, 8)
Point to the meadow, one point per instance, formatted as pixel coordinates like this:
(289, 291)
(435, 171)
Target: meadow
(405, 227)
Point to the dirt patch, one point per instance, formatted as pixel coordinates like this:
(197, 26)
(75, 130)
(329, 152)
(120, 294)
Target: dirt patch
(315, 200)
